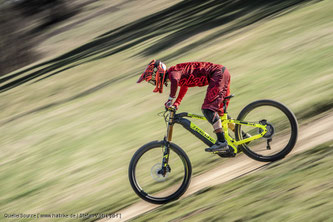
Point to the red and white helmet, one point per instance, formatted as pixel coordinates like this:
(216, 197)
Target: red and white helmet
(155, 74)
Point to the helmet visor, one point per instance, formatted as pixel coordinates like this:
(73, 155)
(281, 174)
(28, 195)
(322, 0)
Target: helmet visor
(147, 74)
(142, 77)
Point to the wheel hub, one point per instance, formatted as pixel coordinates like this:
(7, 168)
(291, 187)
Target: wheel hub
(155, 173)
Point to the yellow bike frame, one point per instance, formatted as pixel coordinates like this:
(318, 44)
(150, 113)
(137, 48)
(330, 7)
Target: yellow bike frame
(226, 122)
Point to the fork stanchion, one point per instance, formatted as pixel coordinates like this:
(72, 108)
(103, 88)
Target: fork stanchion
(170, 126)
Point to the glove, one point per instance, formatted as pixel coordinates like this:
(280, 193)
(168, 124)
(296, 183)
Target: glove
(176, 105)
(168, 103)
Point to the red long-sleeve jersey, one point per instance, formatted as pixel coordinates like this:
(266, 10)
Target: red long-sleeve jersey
(189, 74)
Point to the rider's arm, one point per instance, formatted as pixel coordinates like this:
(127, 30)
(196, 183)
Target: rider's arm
(181, 95)
(174, 77)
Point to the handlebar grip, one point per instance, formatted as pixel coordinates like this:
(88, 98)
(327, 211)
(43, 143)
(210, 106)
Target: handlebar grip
(171, 109)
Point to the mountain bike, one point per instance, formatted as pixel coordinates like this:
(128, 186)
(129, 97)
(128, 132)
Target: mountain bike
(160, 171)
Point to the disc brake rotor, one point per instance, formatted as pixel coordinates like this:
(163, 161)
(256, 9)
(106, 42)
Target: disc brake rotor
(157, 176)
(269, 127)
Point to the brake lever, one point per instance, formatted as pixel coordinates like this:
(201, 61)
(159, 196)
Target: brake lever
(161, 114)
(170, 109)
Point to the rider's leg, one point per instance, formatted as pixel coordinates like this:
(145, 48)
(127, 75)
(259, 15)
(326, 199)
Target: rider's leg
(217, 89)
(214, 119)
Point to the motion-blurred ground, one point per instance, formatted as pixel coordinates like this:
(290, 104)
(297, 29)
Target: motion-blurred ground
(71, 121)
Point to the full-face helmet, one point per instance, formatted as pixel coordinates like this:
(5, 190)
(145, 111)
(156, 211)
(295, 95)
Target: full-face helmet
(155, 74)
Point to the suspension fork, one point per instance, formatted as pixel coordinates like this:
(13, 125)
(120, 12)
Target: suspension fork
(170, 126)
(165, 166)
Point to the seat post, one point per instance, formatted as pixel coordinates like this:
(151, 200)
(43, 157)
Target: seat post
(225, 106)
(226, 99)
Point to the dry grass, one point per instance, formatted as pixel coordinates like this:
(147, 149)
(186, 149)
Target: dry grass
(66, 141)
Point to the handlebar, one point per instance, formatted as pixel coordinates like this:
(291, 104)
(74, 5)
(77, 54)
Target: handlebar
(166, 114)
(171, 109)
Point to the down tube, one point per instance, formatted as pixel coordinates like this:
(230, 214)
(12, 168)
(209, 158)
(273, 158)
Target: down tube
(187, 125)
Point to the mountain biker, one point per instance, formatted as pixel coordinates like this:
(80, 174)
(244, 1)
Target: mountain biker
(192, 74)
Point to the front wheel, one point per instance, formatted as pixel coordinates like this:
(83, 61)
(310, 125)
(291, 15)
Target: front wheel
(281, 135)
(147, 179)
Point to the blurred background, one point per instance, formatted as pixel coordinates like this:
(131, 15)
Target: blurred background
(72, 114)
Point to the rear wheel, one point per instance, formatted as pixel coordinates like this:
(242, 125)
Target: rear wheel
(281, 135)
(147, 180)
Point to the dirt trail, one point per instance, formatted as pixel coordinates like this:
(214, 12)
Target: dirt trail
(318, 132)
